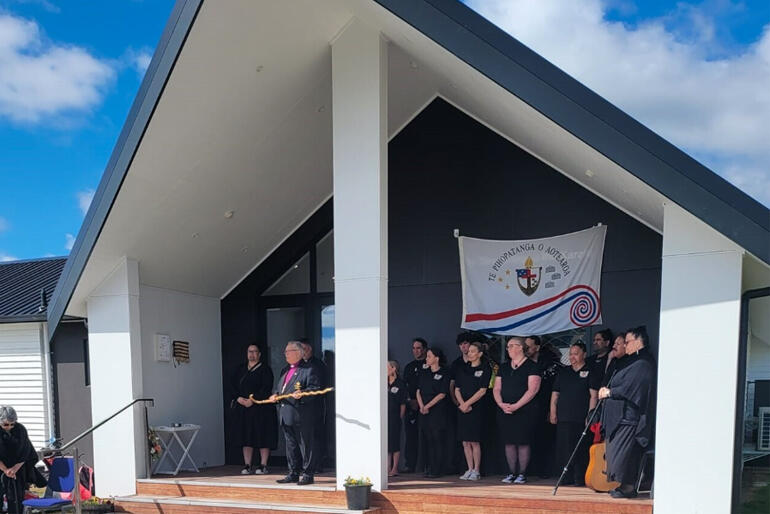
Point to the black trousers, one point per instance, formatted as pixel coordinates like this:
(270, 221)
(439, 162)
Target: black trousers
(434, 443)
(319, 439)
(411, 446)
(542, 461)
(299, 447)
(14, 492)
(567, 436)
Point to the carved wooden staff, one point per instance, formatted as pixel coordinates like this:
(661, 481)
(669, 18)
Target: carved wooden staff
(291, 395)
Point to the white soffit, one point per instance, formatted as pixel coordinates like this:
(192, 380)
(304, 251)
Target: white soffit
(244, 125)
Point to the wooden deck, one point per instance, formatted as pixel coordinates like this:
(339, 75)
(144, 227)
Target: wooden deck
(225, 490)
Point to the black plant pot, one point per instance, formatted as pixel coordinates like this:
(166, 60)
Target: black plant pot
(358, 496)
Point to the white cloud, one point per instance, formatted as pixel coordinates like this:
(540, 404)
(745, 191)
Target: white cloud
(84, 200)
(4, 225)
(70, 241)
(667, 79)
(39, 79)
(139, 60)
(4, 257)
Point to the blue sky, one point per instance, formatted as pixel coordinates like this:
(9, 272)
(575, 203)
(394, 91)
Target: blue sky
(695, 72)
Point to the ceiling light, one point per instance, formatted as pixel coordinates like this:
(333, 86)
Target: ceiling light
(589, 173)
(229, 214)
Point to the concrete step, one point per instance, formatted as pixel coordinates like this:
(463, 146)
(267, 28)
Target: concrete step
(142, 504)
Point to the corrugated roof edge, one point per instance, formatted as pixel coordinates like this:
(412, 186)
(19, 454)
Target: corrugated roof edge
(163, 60)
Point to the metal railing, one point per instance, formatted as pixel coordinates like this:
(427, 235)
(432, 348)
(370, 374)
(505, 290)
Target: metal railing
(54, 450)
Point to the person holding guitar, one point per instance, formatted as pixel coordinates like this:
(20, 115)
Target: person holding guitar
(574, 394)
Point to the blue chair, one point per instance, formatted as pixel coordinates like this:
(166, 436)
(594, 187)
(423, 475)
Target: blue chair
(61, 479)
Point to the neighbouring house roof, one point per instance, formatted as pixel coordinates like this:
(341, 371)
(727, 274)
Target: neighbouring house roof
(26, 288)
(508, 63)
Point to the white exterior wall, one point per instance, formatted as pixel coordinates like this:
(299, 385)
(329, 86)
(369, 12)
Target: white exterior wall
(190, 392)
(24, 380)
(116, 379)
(359, 90)
(697, 366)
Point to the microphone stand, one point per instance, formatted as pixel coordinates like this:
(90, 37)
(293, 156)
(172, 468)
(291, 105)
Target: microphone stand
(580, 441)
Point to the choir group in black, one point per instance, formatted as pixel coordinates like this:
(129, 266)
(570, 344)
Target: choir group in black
(531, 406)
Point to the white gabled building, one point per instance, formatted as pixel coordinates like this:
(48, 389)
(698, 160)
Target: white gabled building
(262, 126)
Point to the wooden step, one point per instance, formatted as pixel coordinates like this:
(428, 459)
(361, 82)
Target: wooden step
(185, 505)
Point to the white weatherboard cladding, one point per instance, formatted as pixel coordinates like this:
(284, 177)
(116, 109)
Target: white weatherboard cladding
(23, 378)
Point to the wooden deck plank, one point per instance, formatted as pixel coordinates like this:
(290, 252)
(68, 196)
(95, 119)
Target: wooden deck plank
(406, 493)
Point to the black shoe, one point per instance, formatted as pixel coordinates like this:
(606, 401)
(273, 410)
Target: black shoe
(619, 493)
(288, 479)
(305, 479)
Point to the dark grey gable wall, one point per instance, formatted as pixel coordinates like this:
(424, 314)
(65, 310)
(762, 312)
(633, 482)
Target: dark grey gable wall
(447, 171)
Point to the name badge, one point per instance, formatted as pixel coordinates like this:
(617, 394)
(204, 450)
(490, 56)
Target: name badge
(437, 377)
(478, 373)
(583, 374)
(394, 389)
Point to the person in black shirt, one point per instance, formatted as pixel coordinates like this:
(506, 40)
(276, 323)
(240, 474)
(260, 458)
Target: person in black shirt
(319, 442)
(548, 362)
(574, 394)
(255, 426)
(412, 373)
(17, 460)
(601, 352)
(454, 449)
(627, 417)
(617, 358)
(472, 382)
(396, 412)
(432, 390)
(515, 389)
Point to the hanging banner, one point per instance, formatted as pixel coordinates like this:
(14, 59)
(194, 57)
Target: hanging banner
(532, 287)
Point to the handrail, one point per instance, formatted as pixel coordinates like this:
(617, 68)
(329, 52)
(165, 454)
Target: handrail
(151, 401)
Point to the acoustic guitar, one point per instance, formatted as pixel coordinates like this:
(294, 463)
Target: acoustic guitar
(596, 473)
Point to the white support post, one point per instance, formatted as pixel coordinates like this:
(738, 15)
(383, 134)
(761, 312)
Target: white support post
(359, 89)
(115, 362)
(697, 369)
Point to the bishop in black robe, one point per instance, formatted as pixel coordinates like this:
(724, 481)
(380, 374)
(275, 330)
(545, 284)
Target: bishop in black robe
(627, 418)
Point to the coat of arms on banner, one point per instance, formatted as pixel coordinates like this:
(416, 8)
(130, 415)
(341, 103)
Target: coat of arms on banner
(535, 286)
(528, 277)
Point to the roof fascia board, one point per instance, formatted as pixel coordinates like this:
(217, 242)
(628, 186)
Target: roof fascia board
(589, 117)
(169, 47)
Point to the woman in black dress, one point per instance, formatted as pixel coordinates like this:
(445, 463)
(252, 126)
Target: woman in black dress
(396, 412)
(472, 382)
(515, 388)
(432, 391)
(17, 460)
(255, 426)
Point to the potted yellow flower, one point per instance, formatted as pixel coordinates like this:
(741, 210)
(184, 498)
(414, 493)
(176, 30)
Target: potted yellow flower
(358, 492)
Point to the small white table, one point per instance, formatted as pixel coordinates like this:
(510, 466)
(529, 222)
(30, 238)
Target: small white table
(184, 437)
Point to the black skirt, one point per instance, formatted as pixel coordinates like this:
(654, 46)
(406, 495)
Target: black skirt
(257, 426)
(470, 424)
(394, 434)
(519, 427)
